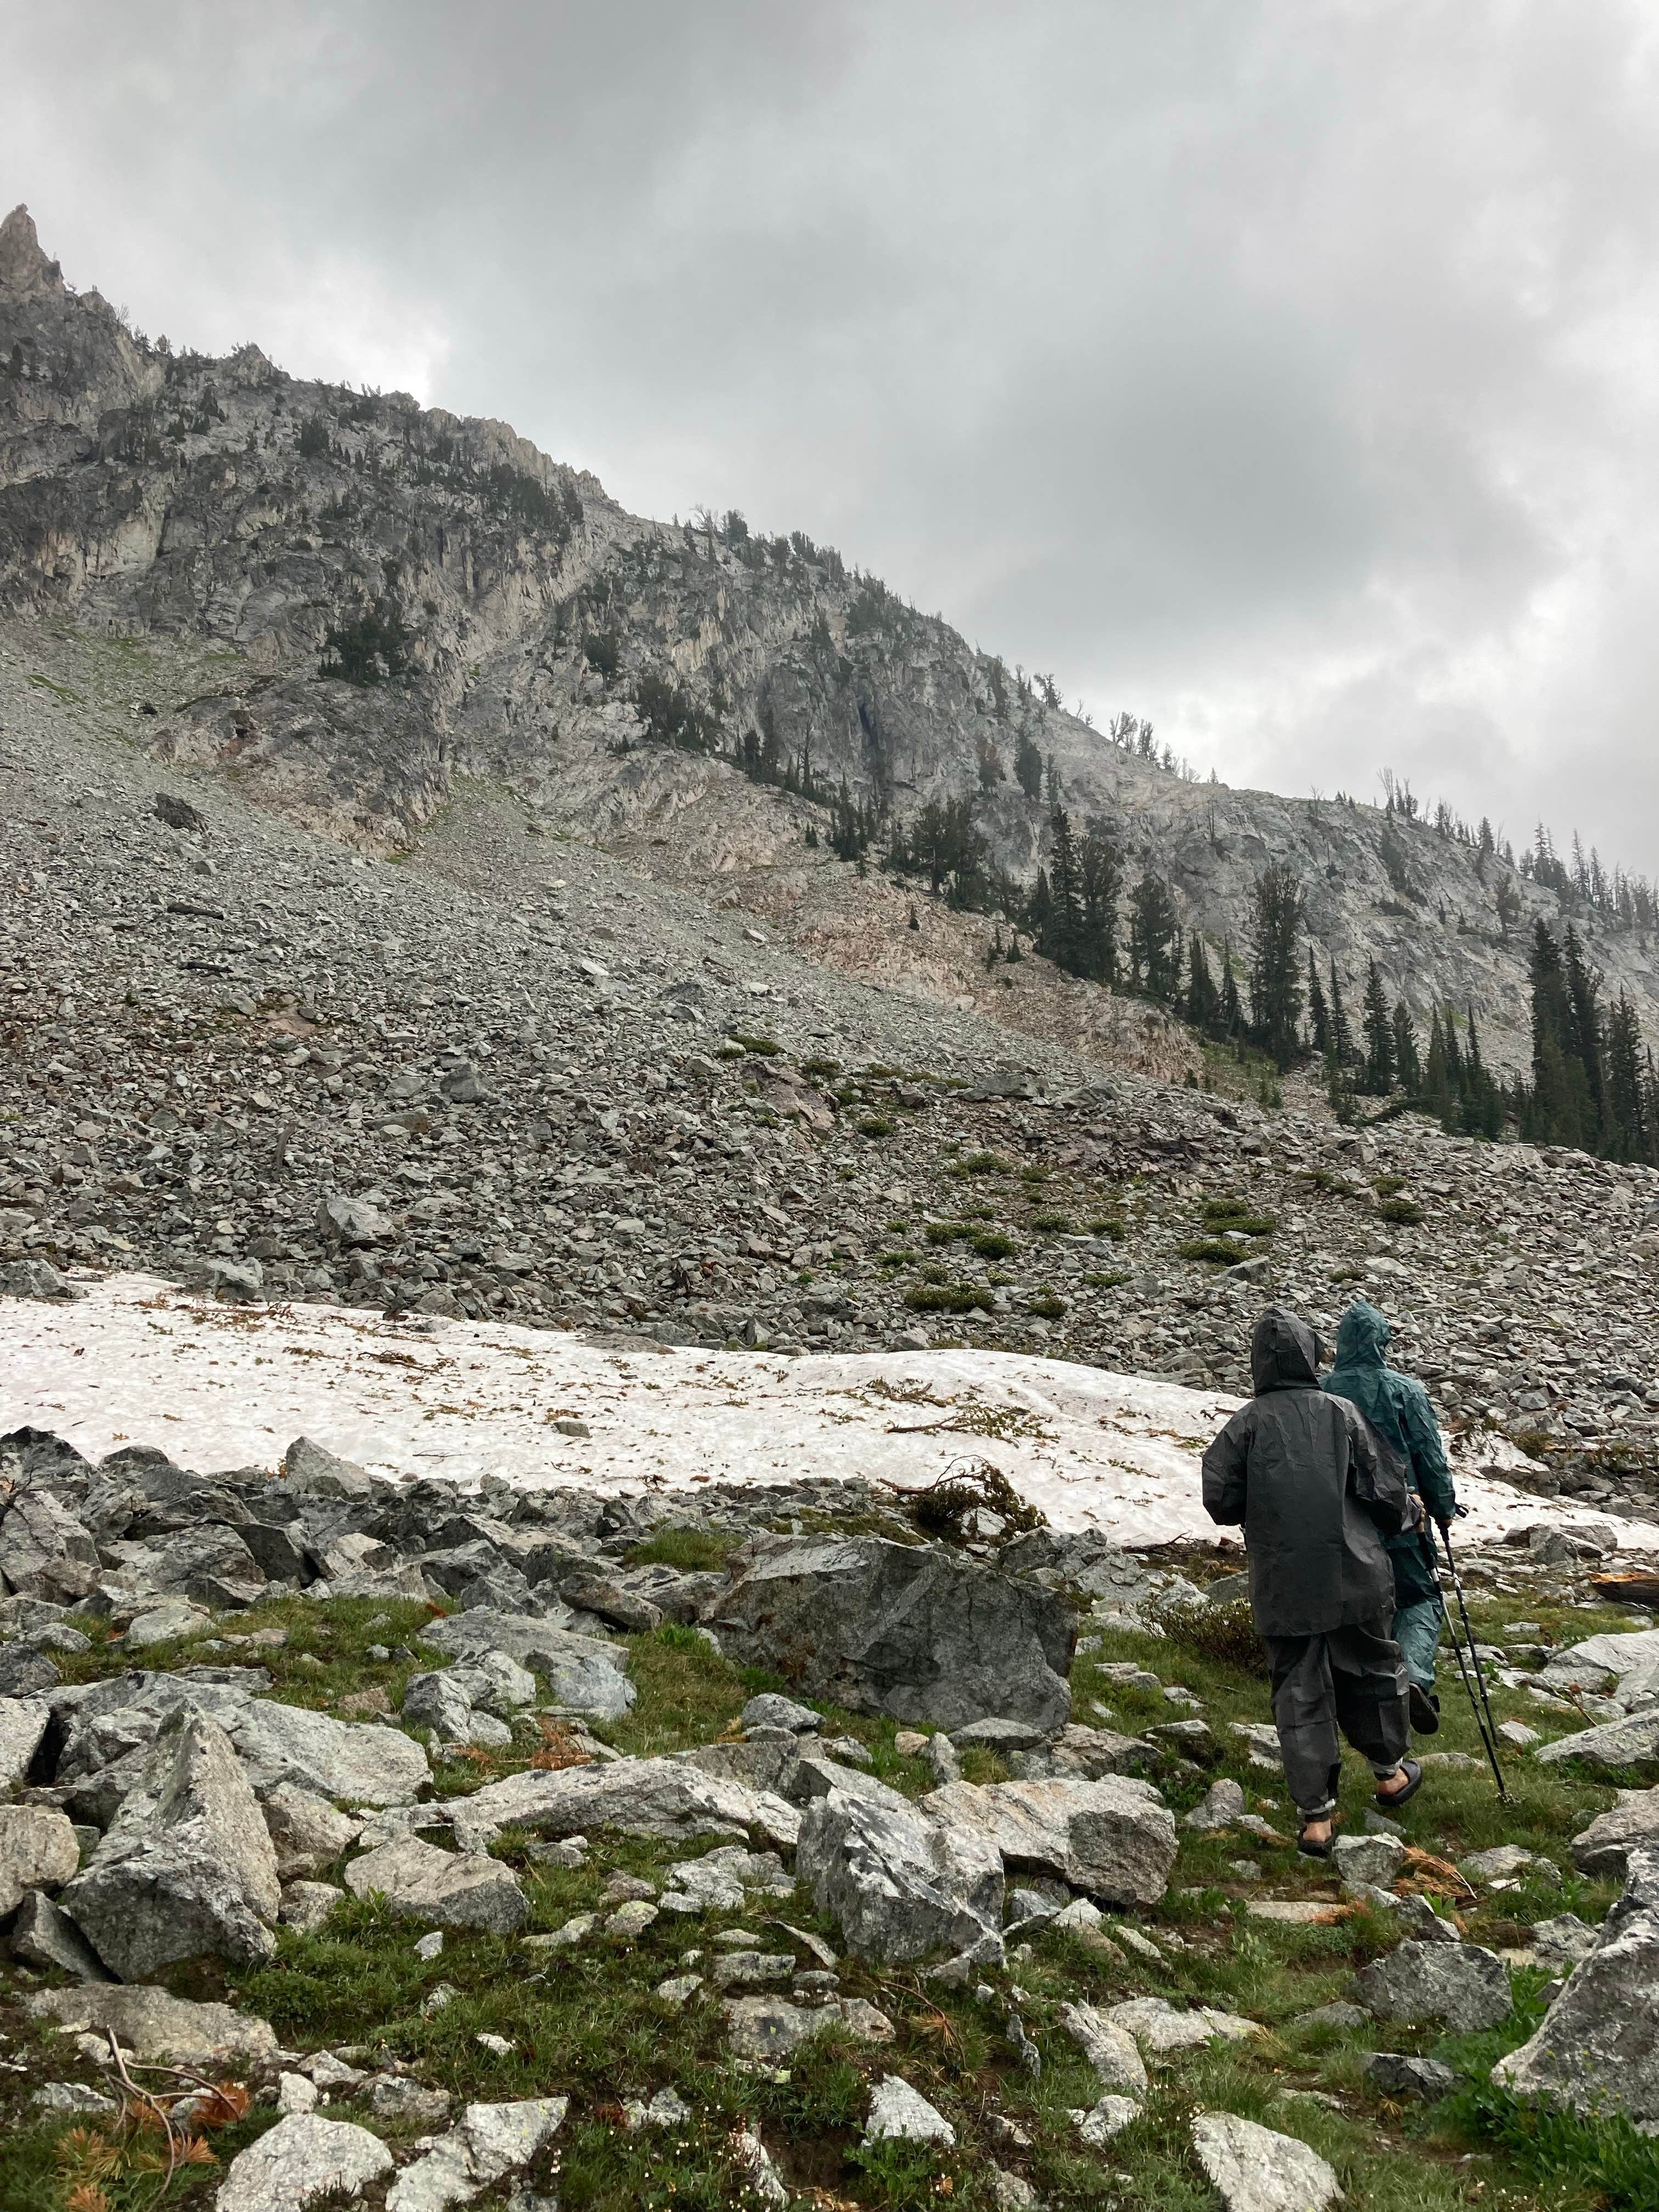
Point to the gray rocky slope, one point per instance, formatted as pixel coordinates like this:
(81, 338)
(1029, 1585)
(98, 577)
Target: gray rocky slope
(512, 612)
(503, 1072)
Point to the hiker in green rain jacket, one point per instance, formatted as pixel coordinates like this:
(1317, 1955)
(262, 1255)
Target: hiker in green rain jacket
(1398, 1408)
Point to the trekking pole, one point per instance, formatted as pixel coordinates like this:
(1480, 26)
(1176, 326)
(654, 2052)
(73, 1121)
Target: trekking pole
(1486, 1727)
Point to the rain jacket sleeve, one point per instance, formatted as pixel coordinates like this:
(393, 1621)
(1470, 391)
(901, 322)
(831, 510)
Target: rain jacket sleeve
(1226, 1472)
(1428, 1454)
(1380, 1482)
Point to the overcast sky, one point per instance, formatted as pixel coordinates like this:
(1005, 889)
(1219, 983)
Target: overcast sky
(1282, 369)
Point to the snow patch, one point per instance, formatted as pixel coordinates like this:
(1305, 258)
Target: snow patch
(135, 1360)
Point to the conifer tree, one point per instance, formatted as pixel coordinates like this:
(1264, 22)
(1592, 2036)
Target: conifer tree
(1275, 970)
(1027, 766)
(1341, 1035)
(1100, 875)
(1203, 1002)
(1407, 1063)
(1154, 939)
(1319, 1020)
(1379, 1035)
(1233, 1013)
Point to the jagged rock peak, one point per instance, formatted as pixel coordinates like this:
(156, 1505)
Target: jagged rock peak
(24, 268)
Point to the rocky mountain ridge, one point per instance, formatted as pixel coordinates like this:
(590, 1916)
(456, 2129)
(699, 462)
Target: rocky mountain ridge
(396, 600)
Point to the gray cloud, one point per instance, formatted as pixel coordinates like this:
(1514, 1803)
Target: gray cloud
(1285, 374)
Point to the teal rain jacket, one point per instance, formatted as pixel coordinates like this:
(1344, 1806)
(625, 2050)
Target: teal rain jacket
(1398, 1408)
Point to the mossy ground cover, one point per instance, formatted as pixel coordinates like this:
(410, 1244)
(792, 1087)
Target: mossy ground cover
(585, 2022)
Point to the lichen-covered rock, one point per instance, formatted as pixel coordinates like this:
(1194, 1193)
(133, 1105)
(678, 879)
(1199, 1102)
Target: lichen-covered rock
(1460, 1984)
(1597, 2048)
(1112, 1838)
(152, 2024)
(447, 1889)
(300, 2159)
(1256, 2169)
(900, 1884)
(883, 1627)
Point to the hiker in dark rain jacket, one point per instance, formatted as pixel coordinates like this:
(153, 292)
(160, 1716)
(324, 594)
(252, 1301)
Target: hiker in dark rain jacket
(1397, 1406)
(1318, 1490)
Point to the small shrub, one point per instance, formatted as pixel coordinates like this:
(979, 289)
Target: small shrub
(764, 1047)
(942, 1510)
(946, 1232)
(1046, 1306)
(1033, 1175)
(992, 1245)
(948, 1297)
(1223, 1631)
(1052, 1225)
(980, 1164)
(1097, 1282)
(1403, 1212)
(1210, 1249)
(1233, 1213)
(1109, 1225)
(1387, 1185)
(875, 1125)
(820, 1071)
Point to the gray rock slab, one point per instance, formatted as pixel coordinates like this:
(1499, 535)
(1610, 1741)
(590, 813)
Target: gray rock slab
(490, 2141)
(22, 1724)
(583, 1672)
(1108, 2047)
(1163, 2028)
(152, 2024)
(770, 2028)
(1605, 1846)
(1373, 1860)
(1395, 2074)
(39, 1848)
(882, 1627)
(306, 1832)
(1222, 1804)
(1620, 1654)
(899, 2113)
(1256, 2169)
(656, 1797)
(302, 2158)
(361, 1761)
(45, 1551)
(446, 1889)
(1597, 2047)
(1631, 1741)
(188, 1870)
(900, 1884)
(1112, 1838)
(1459, 1984)
(42, 1936)
(770, 1711)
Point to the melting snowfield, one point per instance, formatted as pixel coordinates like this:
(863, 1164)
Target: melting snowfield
(137, 1361)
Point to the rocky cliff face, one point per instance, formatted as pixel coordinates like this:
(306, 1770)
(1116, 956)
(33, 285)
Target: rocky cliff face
(398, 597)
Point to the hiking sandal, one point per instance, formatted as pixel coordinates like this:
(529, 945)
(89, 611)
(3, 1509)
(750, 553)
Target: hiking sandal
(1413, 1774)
(1311, 1850)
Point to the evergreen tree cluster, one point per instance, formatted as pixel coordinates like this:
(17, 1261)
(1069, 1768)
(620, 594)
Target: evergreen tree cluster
(1594, 1082)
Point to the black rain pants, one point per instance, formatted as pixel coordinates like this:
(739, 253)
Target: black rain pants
(1351, 1678)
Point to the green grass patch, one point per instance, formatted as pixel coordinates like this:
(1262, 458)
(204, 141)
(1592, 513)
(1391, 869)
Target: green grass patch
(764, 1047)
(979, 1163)
(694, 1551)
(1052, 1224)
